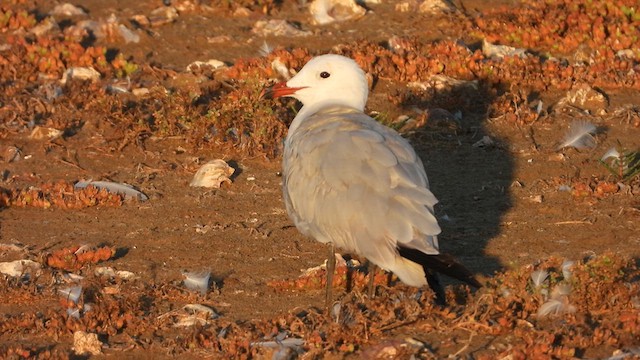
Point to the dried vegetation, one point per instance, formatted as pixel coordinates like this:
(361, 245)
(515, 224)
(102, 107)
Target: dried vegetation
(590, 313)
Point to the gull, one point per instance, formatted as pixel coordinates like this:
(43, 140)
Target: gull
(355, 184)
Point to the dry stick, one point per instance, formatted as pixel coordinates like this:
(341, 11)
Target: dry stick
(573, 222)
(466, 346)
(67, 162)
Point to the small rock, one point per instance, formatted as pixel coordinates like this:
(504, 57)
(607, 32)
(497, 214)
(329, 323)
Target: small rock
(329, 11)
(128, 35)
(627, 53)
(584, 97)
(500, 51)
(41, 132)
(80, 73)
(141, 20)
(140, 91)
(242, 12)
(112, 273)
(443, 82)
(436, 7)
(426, 6)
(19, 268)
(162, 16)
(213, 64)
(68, 10)
(536, 199)
(486, 141)
(277, 28)
(11, 154)
(85, 343)
(47, 25)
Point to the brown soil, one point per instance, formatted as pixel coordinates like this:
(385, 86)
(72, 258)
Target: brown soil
(501, 208)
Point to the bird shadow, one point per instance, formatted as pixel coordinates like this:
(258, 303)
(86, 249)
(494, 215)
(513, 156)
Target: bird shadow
(469, 169)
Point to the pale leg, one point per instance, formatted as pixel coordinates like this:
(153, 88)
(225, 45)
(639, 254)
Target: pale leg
(331, 268)
(372, 274)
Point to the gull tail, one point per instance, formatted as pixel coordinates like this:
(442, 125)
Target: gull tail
(441, 263)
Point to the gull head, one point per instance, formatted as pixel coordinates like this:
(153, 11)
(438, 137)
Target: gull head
(328, 80)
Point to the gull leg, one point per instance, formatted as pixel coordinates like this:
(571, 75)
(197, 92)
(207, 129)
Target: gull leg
(434, 283)
(371, 291)
(331, 268)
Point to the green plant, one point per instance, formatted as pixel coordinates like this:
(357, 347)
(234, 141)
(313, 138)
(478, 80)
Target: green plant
(624, 166)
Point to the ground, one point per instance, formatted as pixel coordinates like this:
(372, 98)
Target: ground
(513, 201)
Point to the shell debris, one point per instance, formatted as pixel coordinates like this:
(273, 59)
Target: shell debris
(85, 343)
(19, 268)
(213, 174)
(329, 11)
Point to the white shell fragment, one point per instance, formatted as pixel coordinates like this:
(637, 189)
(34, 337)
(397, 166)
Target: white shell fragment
(112, 273)
(11, 154)
(163, 15)
(124, 189)
(202, 310)
(288, 343)
(41, 132)
(67, 9)
(329, 11)
(80, 73)
(190, 315)
(12, 247)
(500, 51)
(46, 26)
(190, 320)
(212, 63)
(85, 343)
(436, 7)
(128, 35)
(443, 82)
(19, 268)
(431, 7)
(277, 28)
(586, 98)
(212, 174)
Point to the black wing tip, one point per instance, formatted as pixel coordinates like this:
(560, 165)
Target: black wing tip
(442, 263)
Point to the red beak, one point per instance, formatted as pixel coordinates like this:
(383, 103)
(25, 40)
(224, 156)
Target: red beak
(278, 90)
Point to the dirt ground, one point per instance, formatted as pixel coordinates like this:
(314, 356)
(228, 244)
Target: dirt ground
(511, 201)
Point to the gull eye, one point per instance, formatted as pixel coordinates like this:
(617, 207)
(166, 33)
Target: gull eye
(324, 74)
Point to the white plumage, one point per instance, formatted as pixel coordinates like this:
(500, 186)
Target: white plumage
(349, 180)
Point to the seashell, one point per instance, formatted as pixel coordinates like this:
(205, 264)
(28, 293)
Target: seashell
(329, 11)
(212, 174)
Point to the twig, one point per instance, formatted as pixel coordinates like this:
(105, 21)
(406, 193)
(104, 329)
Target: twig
(573, 222)
(465, 347)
